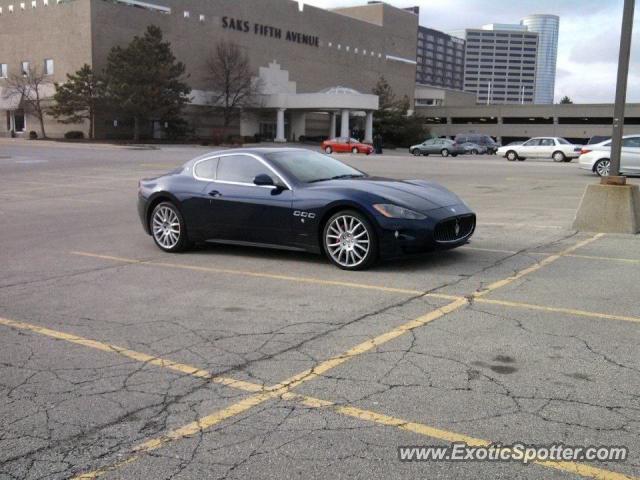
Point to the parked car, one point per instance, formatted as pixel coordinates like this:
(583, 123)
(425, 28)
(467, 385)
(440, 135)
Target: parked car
(556, 148)
(596, 158)
(442, 146)
(598, 139)
(343, 144)
(478, 139)
(474, 148)
(300, 200)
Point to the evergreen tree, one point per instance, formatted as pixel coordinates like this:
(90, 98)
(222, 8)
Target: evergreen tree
(79, 98)
(145, 82)
(566, 100)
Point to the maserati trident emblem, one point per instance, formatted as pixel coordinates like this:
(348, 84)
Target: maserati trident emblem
(457, 228)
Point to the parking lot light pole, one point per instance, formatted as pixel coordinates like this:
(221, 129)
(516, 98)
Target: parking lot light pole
(621, 95)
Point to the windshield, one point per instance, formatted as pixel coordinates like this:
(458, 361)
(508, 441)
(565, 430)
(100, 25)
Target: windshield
(308, 167)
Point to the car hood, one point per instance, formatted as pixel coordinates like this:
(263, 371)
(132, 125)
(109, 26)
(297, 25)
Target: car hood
(419, 195)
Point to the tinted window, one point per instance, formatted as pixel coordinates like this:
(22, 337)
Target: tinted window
(206, 169)
(631, 142)
(307, 166)
(240, 168)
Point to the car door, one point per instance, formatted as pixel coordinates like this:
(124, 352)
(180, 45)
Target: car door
(241, 211)
(545, 148)
(527, 149)
(427, 146)
(630, 158)
(342, 145)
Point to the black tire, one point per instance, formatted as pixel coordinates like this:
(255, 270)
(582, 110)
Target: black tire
(558, 157)
(444, 152)
(568, 160)
(416, 152)
(371, 256)
(474, 152)
(328, 150)
(521, 159)
(182, 243)
(511, 156)
(454, 154)
(601, 166)
(354, 150)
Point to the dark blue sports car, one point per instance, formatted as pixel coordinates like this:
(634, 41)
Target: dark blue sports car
(301, 200)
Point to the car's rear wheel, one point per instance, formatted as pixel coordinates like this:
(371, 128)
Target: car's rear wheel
(602, 167)
(416, 152)
(512, 156)
(168, 228)
(558, 157)
(354, 150)
(350, 241)
(474, 152)
(328, 150)
(444, 152)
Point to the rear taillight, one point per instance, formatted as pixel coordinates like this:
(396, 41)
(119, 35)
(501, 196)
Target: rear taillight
(584, 151)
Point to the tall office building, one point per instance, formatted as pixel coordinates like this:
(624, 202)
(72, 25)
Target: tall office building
(500, 64)
(440, 59)
(547, 27)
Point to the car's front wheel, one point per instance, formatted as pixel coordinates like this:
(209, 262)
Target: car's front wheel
(512, 156)
(602, 167)
(168, 228)
(474, 152)
(416, 152)
(328, 150)
(354, 150)
(350, 241)
(444, 152)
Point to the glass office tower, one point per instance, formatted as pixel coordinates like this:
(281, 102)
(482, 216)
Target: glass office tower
(546, 26)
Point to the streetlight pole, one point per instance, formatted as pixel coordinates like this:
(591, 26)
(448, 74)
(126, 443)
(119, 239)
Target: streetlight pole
(621, 93)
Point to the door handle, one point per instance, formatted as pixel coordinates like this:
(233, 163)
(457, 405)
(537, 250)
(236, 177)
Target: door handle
(215, 193)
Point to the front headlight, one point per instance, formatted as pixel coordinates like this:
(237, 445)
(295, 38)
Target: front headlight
(394, 211)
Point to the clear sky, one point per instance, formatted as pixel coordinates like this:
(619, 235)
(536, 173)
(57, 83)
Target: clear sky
(589, 37)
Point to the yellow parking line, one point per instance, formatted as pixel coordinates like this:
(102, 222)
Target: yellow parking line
(612, 259)
(533, 268)
(317, 281)
(569, 311)
(367, 345)
(133, 355)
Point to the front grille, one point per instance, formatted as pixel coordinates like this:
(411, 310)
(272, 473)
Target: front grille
(454, 229)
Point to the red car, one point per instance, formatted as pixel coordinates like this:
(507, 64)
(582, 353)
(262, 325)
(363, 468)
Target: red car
(343, 144)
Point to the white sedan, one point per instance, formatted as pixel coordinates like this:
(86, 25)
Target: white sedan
(556, 148)
(596, 157)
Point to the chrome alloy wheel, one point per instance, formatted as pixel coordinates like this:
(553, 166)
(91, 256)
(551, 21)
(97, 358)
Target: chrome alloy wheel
(348, 241)
(166, 227)
(603, 167)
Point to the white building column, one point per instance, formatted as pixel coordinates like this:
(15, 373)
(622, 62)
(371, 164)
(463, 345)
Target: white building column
(332, 128)
(280, 126)
(344, 126)
(368, 128)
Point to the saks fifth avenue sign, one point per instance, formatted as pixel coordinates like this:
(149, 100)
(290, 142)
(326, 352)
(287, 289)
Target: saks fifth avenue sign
(245, 26)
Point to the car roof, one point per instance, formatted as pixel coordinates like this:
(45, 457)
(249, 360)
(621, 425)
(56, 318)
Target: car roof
(261, 151)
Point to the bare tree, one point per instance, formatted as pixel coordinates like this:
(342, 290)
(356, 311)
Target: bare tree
(30, 87)
(231, 81)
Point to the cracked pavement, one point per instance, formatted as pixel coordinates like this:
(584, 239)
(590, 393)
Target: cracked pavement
(492, 371)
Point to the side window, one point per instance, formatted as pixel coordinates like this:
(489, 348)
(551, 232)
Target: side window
(631, 142)
(547, 142)
(206, 169)
(240, 168)
(531, 143)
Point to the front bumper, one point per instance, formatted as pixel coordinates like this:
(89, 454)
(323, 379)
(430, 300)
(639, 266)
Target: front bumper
(444, 228)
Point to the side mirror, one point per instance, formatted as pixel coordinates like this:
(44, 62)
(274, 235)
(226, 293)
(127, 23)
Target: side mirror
(264, 180)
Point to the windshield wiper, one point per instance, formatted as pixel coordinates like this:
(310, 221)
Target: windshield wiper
(337, 177)
(349, 175)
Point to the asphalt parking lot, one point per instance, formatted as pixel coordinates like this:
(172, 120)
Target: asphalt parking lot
(118, 361)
